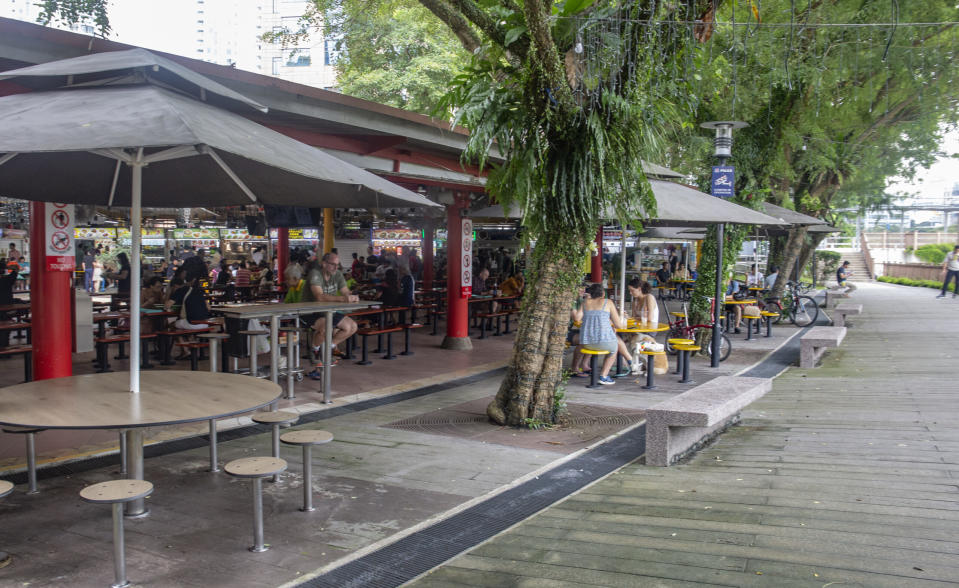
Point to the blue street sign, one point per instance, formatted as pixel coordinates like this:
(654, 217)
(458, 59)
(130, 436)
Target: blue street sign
(724, 180)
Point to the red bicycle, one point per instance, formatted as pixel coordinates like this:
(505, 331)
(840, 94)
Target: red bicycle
(681, 329)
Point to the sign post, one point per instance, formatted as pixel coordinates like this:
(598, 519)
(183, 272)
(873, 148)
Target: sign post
(724, 181)
(466, 264)
(60, 237)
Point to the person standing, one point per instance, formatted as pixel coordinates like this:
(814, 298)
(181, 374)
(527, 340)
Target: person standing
(88, 261)
(13, 252)
(950, 267)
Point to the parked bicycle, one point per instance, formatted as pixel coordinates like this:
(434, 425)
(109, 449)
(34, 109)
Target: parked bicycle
(801, 309)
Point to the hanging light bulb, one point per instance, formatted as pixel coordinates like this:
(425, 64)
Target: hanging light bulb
(578, 48)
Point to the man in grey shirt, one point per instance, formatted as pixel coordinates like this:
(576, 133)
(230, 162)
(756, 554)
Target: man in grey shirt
(326, 284)
(950, 266)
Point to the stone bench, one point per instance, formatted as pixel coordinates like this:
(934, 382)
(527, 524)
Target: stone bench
(833, 296)
(814, 343)
(845, 309)
(684, 423)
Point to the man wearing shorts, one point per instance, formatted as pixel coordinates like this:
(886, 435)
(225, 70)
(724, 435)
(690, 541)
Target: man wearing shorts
(327, 284)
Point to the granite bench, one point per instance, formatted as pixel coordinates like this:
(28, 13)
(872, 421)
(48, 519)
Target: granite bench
(845, 309)
(684, 423)
(815, 342)
(833, 296)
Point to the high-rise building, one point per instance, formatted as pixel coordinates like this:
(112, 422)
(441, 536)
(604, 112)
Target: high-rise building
(225, 32)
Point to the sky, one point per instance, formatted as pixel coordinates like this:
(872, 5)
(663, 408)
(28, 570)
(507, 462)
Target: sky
(940, 177)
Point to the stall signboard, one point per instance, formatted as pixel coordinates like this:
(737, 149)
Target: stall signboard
(59, 220)
(94, 233)
(187, 234)
(240, 235)
(304, 234)
(466, 259)
(13, 233)
(396, 238)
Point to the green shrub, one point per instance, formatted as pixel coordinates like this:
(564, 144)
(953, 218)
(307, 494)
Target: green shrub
(935, 254)
(910, 282)
(830, 261)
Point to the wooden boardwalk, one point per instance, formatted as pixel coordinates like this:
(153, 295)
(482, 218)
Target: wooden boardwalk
(844, 475)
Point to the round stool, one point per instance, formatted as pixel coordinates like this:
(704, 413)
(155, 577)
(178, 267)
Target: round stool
(214, 340)
(256, 468)
(769, 316)
(116, 492)
(5, 488)
(252, 346)
(292, 353)
(684, 351)
(31, 434)
(749, 324)
(593, 371)
(276, 418)
(650, 383)
(307, 438)
(673, 342)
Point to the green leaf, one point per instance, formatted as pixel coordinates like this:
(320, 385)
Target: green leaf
(513, 34)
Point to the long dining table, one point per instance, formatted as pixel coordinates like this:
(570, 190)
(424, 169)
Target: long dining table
(275, 311)
(104, 401)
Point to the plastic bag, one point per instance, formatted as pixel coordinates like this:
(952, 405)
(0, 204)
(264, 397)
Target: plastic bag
(262, 343)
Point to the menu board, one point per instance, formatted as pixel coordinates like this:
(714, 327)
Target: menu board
(239, 235)
(94, 233)
(123, 233)
(196, 234)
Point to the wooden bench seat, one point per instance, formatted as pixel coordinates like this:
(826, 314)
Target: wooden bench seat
(815, 342)
(682, 424)
(843, 310)
(365, 334)
(27, 352)
(486, 319)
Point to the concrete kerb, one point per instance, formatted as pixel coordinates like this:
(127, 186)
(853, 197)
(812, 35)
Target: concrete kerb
(385, 542)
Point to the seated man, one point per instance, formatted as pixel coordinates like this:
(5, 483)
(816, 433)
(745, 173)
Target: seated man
(732, 288)
(842, 276)
(770, 280)
(326, 284)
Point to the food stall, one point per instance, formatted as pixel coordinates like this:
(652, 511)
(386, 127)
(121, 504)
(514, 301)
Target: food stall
(153, 243)
(299, 237)
(399, 240)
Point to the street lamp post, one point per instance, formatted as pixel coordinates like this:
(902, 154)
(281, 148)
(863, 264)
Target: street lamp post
(723, 146)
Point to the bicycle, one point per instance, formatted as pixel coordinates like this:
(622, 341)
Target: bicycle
(681, 329)
(802, 310)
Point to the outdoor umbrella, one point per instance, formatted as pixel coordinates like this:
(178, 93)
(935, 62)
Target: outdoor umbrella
(142, 144)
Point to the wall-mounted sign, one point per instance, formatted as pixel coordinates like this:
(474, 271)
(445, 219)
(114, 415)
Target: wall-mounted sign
(466, 259)
(60, 236)
(123, 233)
(13, 233)
(94, 233)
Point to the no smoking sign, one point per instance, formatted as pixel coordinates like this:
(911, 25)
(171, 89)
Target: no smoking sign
(59, 241)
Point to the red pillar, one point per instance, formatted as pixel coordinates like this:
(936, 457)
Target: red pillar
(49, 306)
(428, 254)
(457, 325)
(282, 255)
(597, 260)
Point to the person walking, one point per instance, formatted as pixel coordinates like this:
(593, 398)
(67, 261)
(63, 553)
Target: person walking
(950, 267)
(88, 260)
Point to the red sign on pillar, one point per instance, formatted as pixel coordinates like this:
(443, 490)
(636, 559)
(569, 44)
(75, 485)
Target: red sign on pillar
(59, 237)
(466, 263)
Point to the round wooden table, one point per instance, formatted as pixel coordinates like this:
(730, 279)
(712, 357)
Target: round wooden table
(104, 401)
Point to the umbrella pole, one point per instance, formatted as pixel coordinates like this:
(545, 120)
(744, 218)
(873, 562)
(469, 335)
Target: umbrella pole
(135, 214)
(622, 272)
(718, 306)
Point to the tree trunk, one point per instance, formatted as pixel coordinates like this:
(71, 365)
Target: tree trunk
(796, 238)
(536, 365)
(807, 249)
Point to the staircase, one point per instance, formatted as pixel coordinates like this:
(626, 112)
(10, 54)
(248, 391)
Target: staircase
(857, 264)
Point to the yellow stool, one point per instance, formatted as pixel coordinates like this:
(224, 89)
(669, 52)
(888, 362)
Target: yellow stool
(593, 371)
(673, 342)
(684, 351)
(650, 355)
(749, 318)
(678, 314)
(769, 316)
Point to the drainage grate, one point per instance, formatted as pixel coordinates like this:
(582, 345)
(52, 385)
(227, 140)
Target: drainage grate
(420, 552)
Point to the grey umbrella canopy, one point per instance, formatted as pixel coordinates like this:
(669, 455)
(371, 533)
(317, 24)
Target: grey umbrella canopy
(676, 206)
(197, 155)
(791, 216)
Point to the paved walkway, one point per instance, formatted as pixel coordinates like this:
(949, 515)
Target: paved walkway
(844, 475)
